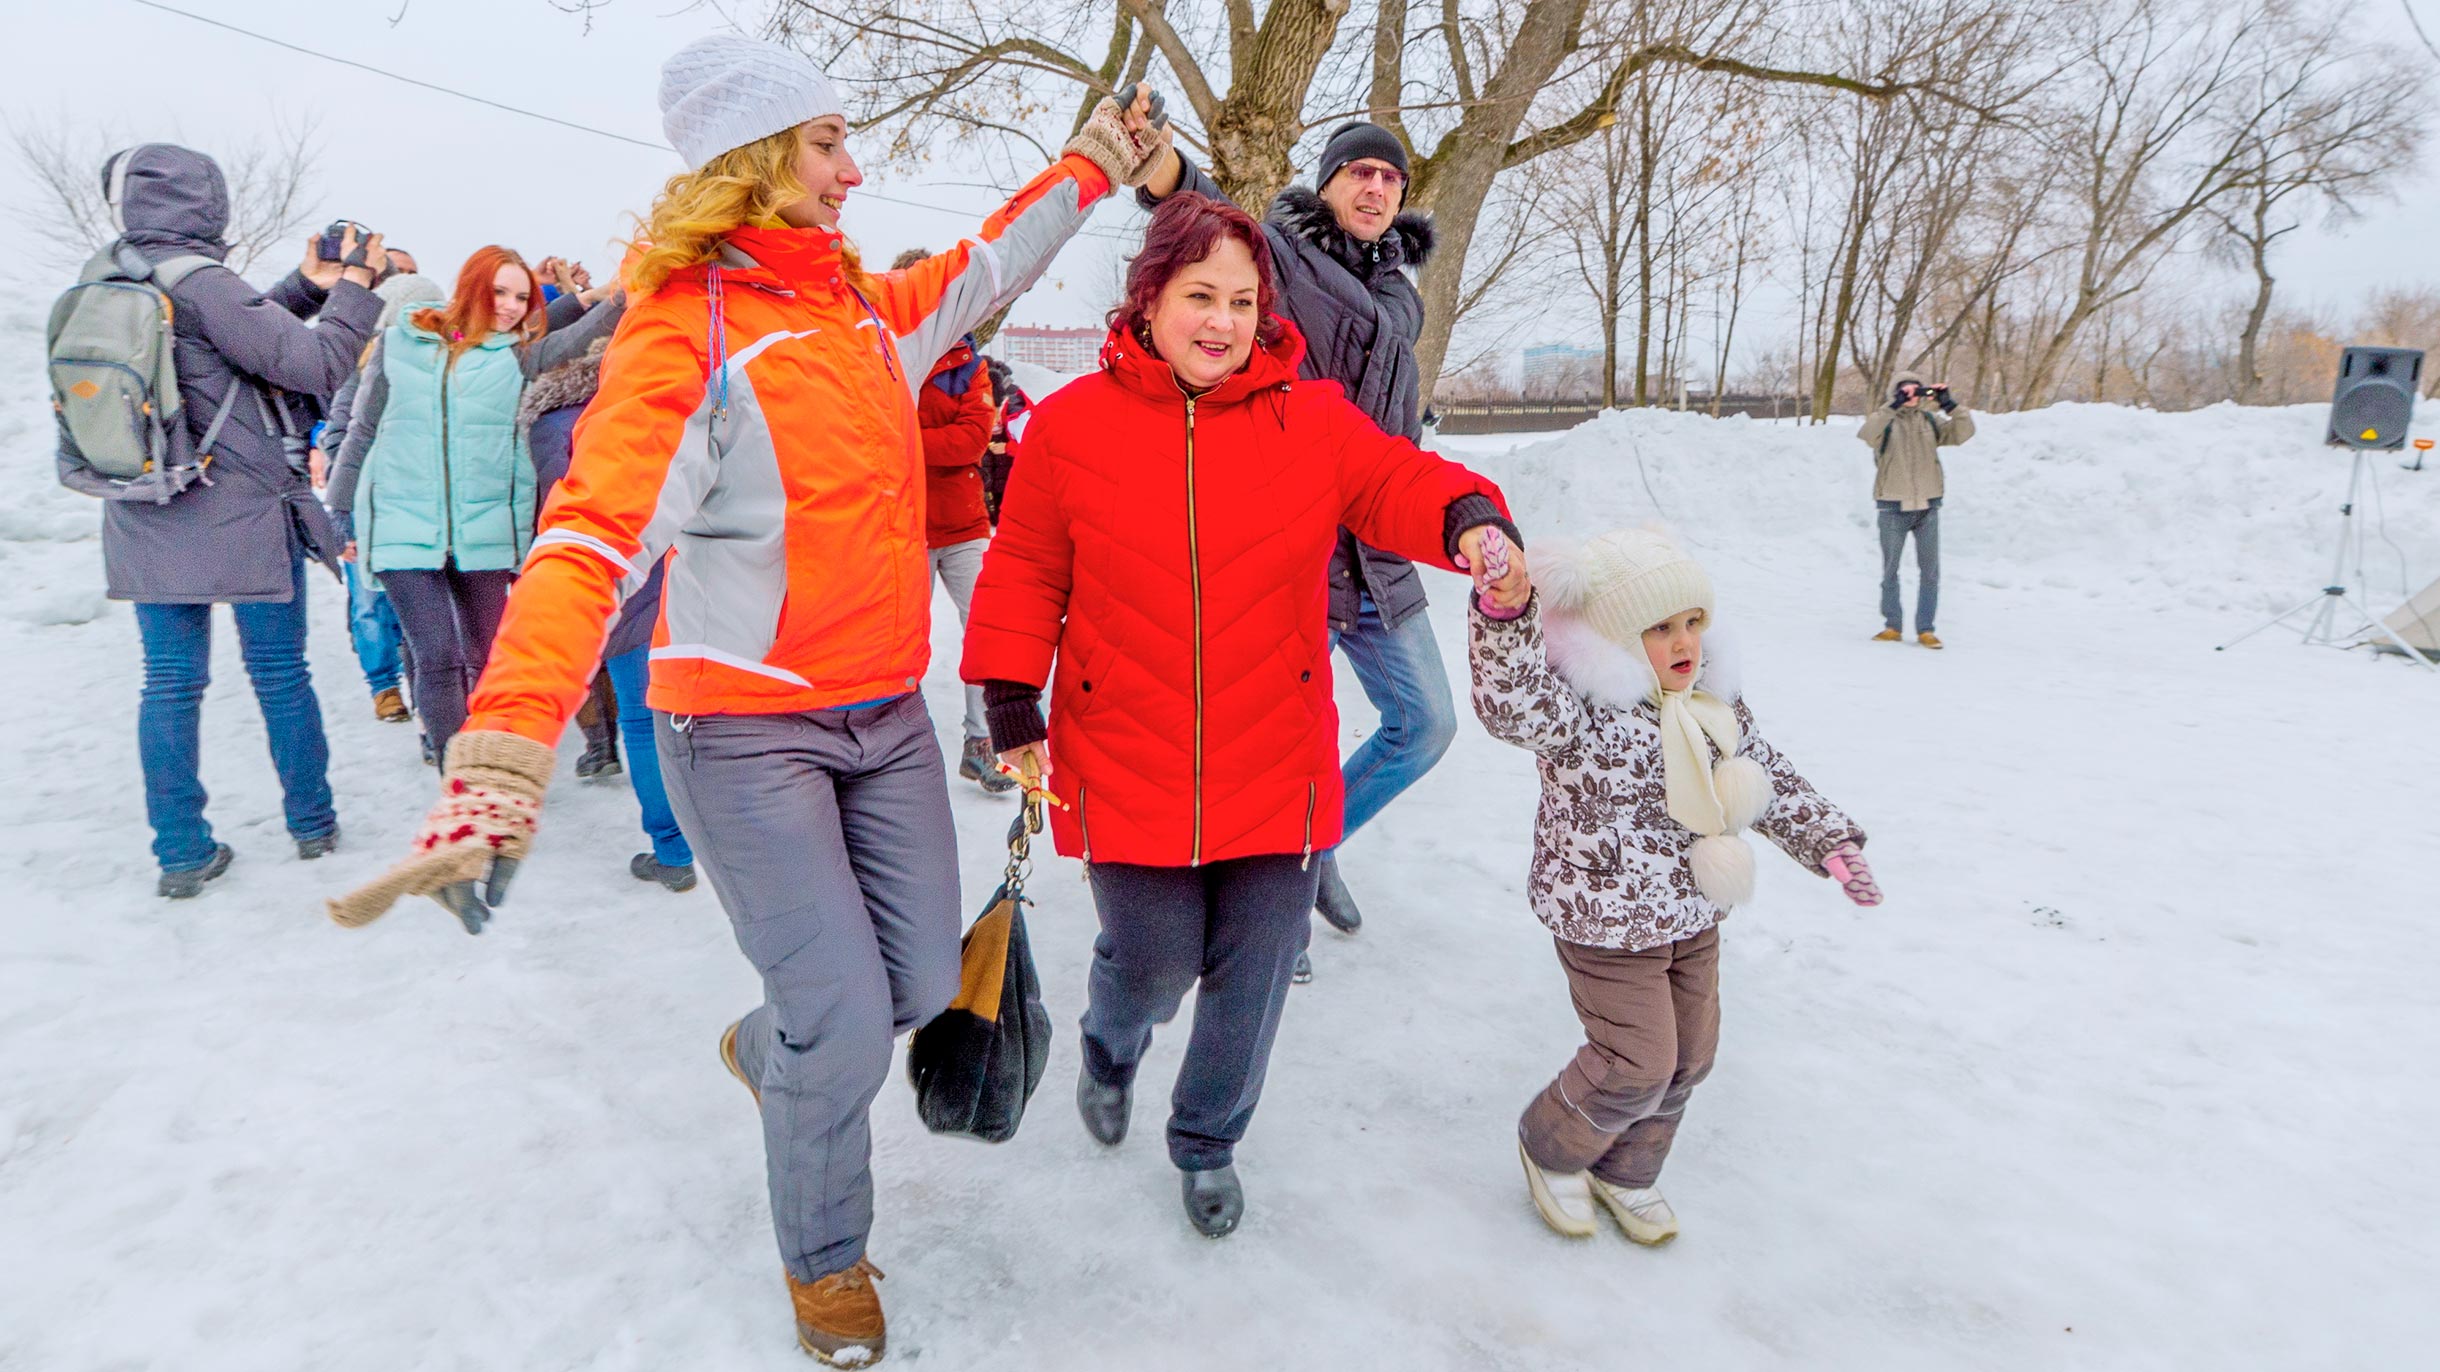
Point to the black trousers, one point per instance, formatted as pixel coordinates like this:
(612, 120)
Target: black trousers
(1235, 927)
(448, 617)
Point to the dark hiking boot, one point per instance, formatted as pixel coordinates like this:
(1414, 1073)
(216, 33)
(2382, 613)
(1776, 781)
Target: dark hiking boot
(320, 845)
(646, 867)
(976, 764)
(188, 884)
(1105, 1109)
(1214, 1200)
(838, 1317)
(599, 759)
(390, 706)
(728, 1059)
(1303, 971)
(1337, 907)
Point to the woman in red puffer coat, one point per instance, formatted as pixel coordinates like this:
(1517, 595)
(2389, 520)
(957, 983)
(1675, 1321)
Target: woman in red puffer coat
(1165, 541)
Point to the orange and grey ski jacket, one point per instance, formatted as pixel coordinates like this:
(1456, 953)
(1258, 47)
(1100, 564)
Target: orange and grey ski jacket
(756, 426)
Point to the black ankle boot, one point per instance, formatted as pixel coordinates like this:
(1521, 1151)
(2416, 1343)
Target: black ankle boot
(1337, 907)
(1214, 1200)
(1104, 1108)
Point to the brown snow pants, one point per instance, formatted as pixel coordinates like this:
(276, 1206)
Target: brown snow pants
(1651, 1026)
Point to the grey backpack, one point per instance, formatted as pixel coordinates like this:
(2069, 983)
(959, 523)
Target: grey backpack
(114, 381)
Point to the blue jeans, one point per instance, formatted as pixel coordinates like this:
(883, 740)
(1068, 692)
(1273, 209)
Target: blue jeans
(630, 673)
(373, 626)
(169, 719)
(1402, 675)
(1896, 524)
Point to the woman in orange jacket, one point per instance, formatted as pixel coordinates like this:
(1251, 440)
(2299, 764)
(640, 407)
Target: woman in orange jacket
(756, 430)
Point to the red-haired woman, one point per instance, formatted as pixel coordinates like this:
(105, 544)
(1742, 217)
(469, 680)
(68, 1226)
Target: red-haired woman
(437, 466)
(1164, 542)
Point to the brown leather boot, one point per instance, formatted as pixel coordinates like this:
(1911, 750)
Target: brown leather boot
(1928, 639)
(1887, 636)
(838, 1317)
(390, 706)
(728, 1059)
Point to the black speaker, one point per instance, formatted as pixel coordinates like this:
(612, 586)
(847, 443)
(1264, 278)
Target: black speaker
(2375, 399)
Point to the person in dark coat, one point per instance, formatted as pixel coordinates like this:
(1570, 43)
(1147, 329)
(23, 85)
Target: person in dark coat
(1342, 250)
(242, 539)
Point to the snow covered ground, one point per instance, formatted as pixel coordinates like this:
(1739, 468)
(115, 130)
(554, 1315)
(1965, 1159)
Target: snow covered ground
(2134, 1070)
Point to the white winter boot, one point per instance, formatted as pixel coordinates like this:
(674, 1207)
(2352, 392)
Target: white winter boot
(1564, 1198)
(1642, 1211)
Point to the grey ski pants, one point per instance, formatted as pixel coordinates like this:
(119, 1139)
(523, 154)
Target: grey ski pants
(828, 839)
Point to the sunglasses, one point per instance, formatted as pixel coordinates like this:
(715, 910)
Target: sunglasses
(1390, 177)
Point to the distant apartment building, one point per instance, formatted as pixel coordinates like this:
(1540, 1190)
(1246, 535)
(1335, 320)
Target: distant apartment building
(1562, 371)
(1070, 352)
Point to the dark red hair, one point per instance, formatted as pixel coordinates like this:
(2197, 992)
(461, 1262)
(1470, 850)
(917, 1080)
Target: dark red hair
(1185, 229)
(467, 319)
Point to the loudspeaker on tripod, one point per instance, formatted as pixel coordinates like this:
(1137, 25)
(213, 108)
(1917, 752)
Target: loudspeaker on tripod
(2374, 401)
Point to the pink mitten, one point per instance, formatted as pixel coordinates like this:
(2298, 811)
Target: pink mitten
(1846, 867)
(1495, 566)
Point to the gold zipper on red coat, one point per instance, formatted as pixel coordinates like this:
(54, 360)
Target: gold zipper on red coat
(1194, 577)
(1313, 793)
(1084, 821)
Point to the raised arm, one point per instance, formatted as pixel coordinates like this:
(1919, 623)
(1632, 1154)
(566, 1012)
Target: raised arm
(1517, 696)
(263, 340)
(1397, 496)
(566, 343)
(932, 304)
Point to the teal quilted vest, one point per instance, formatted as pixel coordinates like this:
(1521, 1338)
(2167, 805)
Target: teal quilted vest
(448, 471)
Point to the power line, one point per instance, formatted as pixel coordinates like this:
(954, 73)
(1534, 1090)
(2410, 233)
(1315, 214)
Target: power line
(530, 114)
(378, 71)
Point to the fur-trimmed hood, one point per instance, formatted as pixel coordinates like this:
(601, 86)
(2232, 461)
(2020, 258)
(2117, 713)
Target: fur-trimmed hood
(569, 383)
(1301, 212)
(1621, 678)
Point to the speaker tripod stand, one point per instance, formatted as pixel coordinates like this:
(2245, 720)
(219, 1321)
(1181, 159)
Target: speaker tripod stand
(2322, 630)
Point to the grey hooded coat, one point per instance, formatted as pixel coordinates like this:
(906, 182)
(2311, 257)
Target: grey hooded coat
(236, 538)
(1360, 317)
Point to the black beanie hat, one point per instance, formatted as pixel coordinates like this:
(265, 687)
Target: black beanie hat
(1357, 140)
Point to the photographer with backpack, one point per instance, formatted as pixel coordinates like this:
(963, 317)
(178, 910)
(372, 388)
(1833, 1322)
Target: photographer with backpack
(189, 445)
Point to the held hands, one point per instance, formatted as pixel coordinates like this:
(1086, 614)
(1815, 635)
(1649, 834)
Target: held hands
(1502, 582)
(1128, 142)
(1846, 867)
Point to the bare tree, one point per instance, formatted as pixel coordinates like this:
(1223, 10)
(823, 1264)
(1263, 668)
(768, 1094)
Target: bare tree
(1476, 89)
(269, 180)
(2327, 140)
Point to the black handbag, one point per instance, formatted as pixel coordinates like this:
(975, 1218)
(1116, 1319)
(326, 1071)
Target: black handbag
(976, 1064)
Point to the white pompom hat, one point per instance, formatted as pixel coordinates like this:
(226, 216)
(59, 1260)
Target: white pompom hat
(725, 91)
(1623, 582)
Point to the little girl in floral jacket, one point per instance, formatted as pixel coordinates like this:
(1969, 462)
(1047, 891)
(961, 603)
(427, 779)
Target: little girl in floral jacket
(1650, 771)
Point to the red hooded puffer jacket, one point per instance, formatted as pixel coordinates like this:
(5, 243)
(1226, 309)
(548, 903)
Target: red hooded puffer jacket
(1173, 555)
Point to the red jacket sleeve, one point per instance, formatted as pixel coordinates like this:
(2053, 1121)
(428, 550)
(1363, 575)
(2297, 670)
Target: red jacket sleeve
(1020, 600)
(1397, 495)
(960, 442)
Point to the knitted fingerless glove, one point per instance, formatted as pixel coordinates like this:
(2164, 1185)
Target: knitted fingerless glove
(491, 796)
(1127, 159)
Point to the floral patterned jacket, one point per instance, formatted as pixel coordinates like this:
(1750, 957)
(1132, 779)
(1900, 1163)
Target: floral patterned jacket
(1609, 864)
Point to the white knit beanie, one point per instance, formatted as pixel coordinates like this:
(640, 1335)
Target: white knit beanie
(1622, 583)
(726, 91)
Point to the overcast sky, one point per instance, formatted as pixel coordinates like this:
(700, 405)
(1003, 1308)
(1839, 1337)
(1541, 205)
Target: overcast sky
(443, 175)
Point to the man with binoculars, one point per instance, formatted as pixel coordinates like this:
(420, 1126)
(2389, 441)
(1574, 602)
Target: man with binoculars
(1907, 433)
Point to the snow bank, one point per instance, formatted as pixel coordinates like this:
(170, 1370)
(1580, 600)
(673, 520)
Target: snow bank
(2225, 509)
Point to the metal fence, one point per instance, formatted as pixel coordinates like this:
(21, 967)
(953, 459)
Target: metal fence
(1543, 416)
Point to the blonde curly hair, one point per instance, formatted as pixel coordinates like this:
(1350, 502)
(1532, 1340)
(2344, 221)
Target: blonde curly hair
(742, 188)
